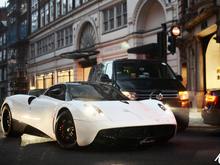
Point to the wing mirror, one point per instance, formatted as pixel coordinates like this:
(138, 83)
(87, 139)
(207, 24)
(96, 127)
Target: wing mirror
(105, 78)
(179, 77)
(30, 99)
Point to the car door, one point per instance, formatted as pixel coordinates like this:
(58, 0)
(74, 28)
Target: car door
(43, 108)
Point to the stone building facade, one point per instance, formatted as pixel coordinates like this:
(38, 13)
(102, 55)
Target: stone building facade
(108, 27)
(199, 49)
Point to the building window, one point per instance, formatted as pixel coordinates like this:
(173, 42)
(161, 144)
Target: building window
(4, 38)
(68, 36)
(88, 37)
(51, 10)
(1, 74)
(77, 3)
(118, 15)
(45, 45)
(124, 5)
(50, 43)
(111, 18)
(1, 40)
(39, 47)
(34, 21)
(105, 18)
(84, 1)
(64, 7)
(40, 81)
(86, 73)
(32, 50)
(60, 38)
(46, 13)
(42, 17)
(64, 37)
(65, 76)
(44, 81)
(23, 29)
(58, 8)
(69, 5)
(5, 74)
(0, 56)
(48, 80)
(4, 55)
(115, 17)
(34, 4)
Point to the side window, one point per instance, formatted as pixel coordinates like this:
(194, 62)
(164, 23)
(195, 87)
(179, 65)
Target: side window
(108, 70)
(92, 73)
(99, 71)
(57, 92)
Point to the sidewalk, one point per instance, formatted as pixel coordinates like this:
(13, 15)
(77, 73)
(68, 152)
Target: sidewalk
(195, 119)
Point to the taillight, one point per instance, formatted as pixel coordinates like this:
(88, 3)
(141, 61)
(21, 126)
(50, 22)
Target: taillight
(183, 95)
(210, 98)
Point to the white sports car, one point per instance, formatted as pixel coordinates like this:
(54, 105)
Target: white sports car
(81, 113)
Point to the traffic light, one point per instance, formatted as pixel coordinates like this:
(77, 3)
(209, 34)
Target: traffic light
(175, 32)
(161, 39)
(172, 44)
(162, 42)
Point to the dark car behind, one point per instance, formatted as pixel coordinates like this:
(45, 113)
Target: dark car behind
(144, 79)
(211, 109)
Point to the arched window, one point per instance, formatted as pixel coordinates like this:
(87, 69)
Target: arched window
(88, 37)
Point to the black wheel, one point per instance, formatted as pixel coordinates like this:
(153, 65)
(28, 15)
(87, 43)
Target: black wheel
(10, 127)
(65, 131)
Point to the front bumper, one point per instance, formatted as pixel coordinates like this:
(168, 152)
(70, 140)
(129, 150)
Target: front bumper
(88, 132)
(141, 134)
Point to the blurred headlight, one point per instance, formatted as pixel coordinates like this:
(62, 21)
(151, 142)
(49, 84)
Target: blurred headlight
(183, 95)
(91, 110)
(130, 95)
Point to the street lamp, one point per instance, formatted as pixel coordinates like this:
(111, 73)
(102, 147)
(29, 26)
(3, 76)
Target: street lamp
(174, 33)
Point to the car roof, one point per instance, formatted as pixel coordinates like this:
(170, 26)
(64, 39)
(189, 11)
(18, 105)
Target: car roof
(136, 60)
(84, 83)
(78, 83)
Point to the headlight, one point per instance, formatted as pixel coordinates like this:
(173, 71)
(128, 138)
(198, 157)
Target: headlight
(130, 95)
(162, 107)
(91, 110)
(183, 95)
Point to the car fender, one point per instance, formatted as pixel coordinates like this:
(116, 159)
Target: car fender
(156, 104)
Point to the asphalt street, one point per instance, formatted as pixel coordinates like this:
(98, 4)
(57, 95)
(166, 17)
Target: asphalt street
(197, 145)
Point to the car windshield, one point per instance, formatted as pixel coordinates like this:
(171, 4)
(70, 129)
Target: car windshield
(133, 70)
(94, 92)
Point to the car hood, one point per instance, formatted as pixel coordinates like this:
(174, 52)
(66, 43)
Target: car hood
(134, 112)
(149, 84)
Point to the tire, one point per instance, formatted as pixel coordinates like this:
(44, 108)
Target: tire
(65, 131)
(10, 127)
